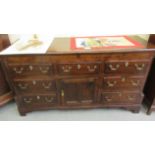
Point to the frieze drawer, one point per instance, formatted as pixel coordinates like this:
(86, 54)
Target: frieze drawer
(126, 67)
(78, 68)
(19, 70)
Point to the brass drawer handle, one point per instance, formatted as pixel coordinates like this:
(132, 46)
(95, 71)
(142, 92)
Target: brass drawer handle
(130, 98)
(66, 69)
(140, 67)
(27, 100)
(47, 86)
(114, 68)
(108, 99)
(22, 86)
(111, 84)
(44, 70)
(92, 69)
(135, 83)
(19, 70)
(49, 99)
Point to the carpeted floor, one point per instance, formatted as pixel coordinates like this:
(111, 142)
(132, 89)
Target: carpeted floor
(9, 112)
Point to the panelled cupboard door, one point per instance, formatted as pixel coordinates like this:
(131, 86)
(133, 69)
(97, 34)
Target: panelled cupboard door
(78, 91)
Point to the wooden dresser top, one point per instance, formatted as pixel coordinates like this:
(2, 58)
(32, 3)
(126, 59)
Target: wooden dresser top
(62, 46)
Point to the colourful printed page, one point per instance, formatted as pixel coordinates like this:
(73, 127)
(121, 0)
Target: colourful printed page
(103, 42)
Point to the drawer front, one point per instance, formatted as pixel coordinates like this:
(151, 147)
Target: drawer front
(34, 86)
(120, 98)
(38, 100)
(122, 82)
(19, 70)
(126, 67)
(78, 68)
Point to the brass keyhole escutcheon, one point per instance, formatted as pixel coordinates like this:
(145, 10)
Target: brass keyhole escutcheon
(78, 66)
(123, 79)
(126, 64)
(62, 93)
(31, 68)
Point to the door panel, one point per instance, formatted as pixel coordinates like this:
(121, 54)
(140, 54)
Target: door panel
(79, 91)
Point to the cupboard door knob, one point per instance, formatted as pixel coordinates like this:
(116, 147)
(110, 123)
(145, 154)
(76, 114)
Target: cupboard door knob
(111, 84)
(114, 68)
(62, 93)
(44, 70)
(27, 100)
(140, 67)
(92, 69)
(66, 69)
(19, 70)
(22, 86)
(135, 83)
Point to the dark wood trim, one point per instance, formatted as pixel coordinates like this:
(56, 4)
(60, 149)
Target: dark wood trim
(5, 41)
(5, 92)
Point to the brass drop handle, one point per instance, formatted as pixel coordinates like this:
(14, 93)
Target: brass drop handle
(114, 68)
(22, 86)
(135, 83)
(47, 86)
(49, 99)
(44, 70)
(27, 100)
(108, 99)
(140, 67)
(19, 70)
(131, 98)
(66, 69)
(92, 69)
(111, 84)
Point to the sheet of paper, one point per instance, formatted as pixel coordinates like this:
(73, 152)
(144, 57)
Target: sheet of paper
(107, 41)
(40, 49)
(103, 42)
